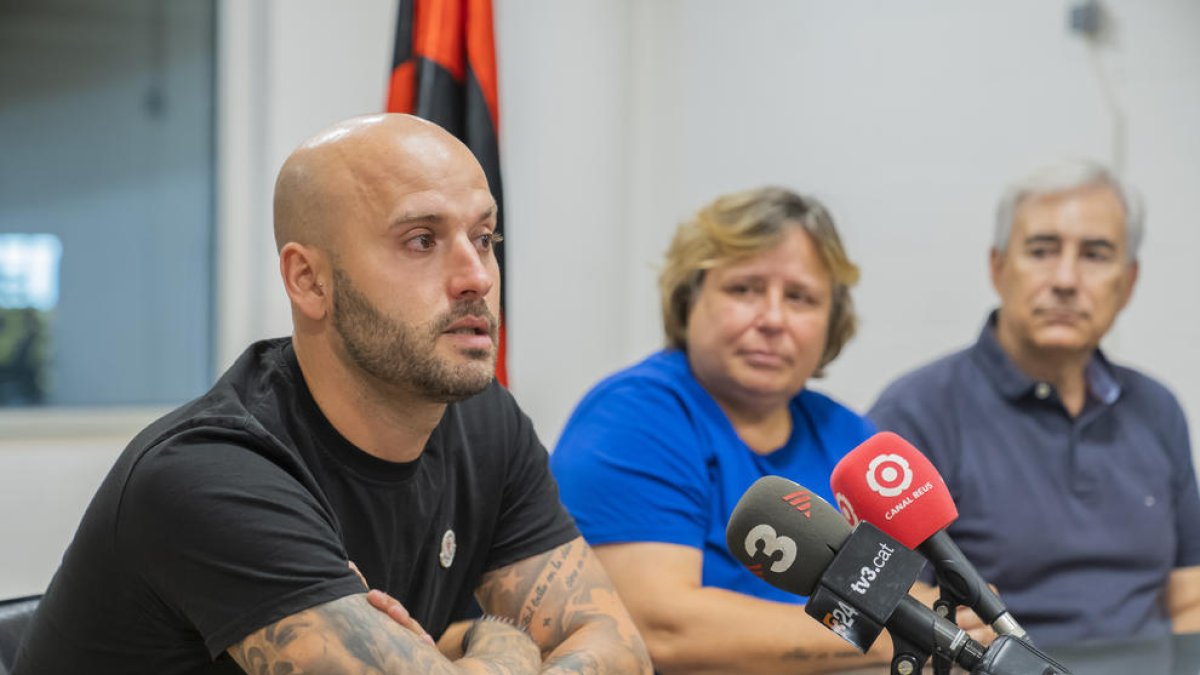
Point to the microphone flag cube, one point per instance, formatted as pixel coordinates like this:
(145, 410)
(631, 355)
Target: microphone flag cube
(863, 585)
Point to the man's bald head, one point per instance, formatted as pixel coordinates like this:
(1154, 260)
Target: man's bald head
(342, 168)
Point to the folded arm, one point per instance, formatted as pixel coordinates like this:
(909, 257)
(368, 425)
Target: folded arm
(567, 603)
(348, 635)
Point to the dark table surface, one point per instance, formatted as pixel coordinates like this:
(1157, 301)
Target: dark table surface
(1173, 655)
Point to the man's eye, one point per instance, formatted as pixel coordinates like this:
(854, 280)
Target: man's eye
(489, 240)
(421, 242)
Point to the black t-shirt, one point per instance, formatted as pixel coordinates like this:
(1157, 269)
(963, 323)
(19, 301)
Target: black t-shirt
(243, 507)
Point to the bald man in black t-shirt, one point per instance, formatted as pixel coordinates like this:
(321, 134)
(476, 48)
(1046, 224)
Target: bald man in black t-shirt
(222, 539)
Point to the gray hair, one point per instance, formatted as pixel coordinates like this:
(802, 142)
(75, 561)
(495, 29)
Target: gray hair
(1064, 176)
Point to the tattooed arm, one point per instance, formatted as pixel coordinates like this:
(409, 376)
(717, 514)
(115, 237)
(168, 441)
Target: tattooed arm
(568, 605)
(348, 636)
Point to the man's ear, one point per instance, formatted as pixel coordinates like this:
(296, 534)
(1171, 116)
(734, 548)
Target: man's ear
(1130, 281)
(305, 276)
(995, 267)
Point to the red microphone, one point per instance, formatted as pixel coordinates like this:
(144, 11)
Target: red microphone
(890, 484)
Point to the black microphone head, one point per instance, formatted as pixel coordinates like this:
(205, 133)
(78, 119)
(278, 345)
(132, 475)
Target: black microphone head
(785, 534)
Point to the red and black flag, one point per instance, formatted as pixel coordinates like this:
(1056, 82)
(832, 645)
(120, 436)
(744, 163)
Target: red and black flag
(444, 70)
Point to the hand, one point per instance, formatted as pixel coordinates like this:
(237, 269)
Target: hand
(450, 644)
(396, 611)
(392, 607)
(491, 637)
(968, 620)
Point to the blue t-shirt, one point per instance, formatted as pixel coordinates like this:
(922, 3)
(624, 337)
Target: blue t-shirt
(1078, 521)
(649, 456)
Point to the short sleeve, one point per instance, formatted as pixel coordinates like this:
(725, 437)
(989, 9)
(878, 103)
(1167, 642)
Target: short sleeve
(631, 465)
(532, 519)
(228, 540)
(1187, 501)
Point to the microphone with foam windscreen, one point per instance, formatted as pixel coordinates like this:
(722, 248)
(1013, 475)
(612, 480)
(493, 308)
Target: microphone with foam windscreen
(887, 482)
(857, 581)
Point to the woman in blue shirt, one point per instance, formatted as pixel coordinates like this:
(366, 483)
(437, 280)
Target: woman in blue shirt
(755, 301)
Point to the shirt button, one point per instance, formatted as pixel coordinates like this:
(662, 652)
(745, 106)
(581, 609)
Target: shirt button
(1042, 390)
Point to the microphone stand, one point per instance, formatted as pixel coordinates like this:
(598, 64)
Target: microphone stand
(1008, 655)
(946, 606)
(907, 658)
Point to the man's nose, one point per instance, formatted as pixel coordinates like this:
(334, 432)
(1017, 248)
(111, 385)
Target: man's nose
(469, 273)
(1066, 273)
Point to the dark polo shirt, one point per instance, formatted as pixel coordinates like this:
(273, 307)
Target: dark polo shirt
(1078, 521)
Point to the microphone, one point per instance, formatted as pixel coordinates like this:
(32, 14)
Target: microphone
(887, 482)
(857, 582)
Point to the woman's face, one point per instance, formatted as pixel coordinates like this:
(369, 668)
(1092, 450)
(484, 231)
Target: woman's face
(757, 328)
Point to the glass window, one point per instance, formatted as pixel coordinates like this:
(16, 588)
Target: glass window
(106, 201)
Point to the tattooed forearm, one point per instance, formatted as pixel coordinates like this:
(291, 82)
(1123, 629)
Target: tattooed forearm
(502, 648)
(348, 636)
(575, 662)
(568, 605)
(524, 589)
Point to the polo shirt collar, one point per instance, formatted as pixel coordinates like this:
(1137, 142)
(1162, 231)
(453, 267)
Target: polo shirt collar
(1102, 380)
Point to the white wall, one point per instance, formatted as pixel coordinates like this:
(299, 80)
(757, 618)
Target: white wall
(49, 468)
(289, 68)
(907, 119)
(619, 118)
(566, 123)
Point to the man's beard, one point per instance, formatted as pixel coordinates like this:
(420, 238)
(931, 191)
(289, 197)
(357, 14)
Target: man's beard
(404, 355)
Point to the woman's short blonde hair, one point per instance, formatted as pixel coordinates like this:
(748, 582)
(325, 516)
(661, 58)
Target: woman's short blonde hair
(741, 225)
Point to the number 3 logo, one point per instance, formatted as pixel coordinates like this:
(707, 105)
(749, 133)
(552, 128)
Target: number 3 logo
(772, 542)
